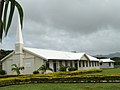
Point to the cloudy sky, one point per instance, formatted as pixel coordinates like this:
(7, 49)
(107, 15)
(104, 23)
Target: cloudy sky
(91, 26)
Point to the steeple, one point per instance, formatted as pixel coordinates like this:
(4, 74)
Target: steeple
(19, 38)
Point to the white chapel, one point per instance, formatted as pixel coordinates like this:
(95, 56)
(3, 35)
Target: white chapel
(33, 58)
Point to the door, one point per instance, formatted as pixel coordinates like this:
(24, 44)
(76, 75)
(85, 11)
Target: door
(54, 66)
(76, 65)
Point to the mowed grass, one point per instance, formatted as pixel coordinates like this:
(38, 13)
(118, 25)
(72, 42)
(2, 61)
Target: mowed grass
(110, 71)
(71, 86)
(77, 86)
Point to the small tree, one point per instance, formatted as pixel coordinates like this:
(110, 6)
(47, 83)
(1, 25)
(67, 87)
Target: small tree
(43, 69)
(17, 69)
(63, 68)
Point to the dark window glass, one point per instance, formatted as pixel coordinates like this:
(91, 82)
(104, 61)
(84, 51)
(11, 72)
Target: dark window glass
(93, 64)
(47, 64)
(60, 63)
(83, 64)
(79, 63)
(89, 64)
(86, 63)
(100, 63)
(71, 64)
(66, 64)
(109, 64)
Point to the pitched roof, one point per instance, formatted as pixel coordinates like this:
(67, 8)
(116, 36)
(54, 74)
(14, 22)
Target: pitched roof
(106, 60)
(92, 58)
(58, 55)
(8, 56)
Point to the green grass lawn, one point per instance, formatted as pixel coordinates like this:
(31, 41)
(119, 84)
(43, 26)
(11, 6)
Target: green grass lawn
(75, 86)
(78, 86)
(110, 71)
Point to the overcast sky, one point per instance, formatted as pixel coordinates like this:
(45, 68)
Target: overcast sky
(91, 26)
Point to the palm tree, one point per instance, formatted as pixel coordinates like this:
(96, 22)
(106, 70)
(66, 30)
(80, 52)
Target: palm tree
(17, 69)
(43, 69)
(5, 22)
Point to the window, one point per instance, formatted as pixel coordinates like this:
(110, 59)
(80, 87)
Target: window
(83, 64)
(93, 64)
(100, 63)
(71, 64)
(97, 63)
(60, 63)
(109, 64)
(79, 63)
(86, 63)
(66, 64)
(76, 64)
(89, 63)
(47, 64)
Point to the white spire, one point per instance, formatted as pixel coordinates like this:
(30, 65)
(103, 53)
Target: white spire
(19, 38)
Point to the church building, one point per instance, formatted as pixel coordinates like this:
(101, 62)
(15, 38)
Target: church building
(33, 58)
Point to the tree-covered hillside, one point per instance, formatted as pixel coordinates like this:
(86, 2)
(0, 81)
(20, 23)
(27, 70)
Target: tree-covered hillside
(3, 53)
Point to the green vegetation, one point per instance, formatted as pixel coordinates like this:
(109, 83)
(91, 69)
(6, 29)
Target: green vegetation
(109, 71)
(62, 77)
(71, 68)
(2, 72)
(5, 22)
(79, 86)
(16, 68)
(36, 72)
(63, 68)
(43, 69)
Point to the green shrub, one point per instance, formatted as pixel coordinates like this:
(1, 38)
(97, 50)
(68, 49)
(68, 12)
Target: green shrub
(36, 72)
(2, 72)
(72, 68)
(63, 68)
(60, 79)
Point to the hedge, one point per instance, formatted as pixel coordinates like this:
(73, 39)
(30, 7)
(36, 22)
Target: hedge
(67, 79)
(77, 72)
(57, 74)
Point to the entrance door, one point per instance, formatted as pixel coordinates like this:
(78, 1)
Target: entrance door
(76, 65)
(54, 66)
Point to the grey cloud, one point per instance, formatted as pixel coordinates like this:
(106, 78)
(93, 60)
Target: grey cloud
(90, 26)
(82, 16)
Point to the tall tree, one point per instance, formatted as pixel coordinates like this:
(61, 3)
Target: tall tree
(5, 22)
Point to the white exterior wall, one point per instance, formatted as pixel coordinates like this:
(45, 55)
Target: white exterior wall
(31, 63)
(106, 65)
(6, 64)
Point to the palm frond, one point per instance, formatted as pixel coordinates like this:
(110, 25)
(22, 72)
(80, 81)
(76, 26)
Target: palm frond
(5, 14)
(20, 10)
(1, 22)
(12, 8)
(14, 65)
(1, 30)
(21, 68)
(13, 69)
